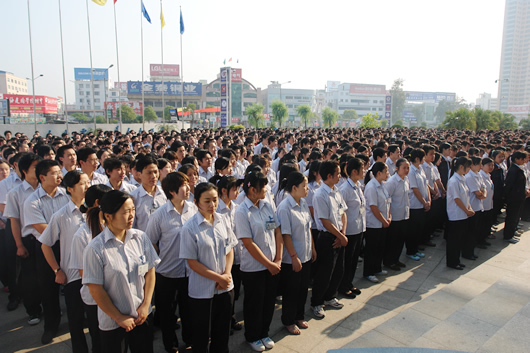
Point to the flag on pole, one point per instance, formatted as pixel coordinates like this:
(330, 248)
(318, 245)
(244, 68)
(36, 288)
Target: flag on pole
(224, 62)
(144, 12)
(181, 23)
(229, 59)
(100, 2)
(162, 20)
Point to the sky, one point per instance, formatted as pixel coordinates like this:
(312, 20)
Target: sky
(439, 46)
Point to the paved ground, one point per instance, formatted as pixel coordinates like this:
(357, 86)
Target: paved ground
(485, 308)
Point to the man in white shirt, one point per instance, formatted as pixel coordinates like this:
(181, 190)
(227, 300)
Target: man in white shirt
(67, 157)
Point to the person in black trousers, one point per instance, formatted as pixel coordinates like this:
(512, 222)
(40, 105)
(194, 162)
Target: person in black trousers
(515, 193)
(497, 177)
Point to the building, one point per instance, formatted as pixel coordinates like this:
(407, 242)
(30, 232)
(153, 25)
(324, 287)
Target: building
(514, 73)
(361, 97)
(91, 90)
(292, 97)
(485, 101)
(424, 104)
(11, 84)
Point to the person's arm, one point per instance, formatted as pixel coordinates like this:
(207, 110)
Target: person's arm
(257, 254)
(2, 207)
(279, 246)
(149, 287)
(469, 212)
(288, 242)
(202, 270)
(40, 227)
(17, 235)
(479, 195)
(377, 214)
(330, 227)
(60, 276)
(104, 302)
(420, 198)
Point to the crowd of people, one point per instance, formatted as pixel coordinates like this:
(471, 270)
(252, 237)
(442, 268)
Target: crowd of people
(124, 223)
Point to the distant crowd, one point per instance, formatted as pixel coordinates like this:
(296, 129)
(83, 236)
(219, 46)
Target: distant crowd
(141, 229)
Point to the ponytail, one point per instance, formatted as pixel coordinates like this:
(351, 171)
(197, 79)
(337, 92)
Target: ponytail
(460, 161)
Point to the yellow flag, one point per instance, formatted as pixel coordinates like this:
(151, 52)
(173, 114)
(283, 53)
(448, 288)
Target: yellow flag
(100, 2)
(161, 17)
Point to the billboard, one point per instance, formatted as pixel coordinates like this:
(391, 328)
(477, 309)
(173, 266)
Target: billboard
(83, 73)
(223, 74)
(169, 88)
(19, 103)
(356, 88)
(122, 85)
(332, 86)
(135, 105)
(430, 97)
(236, 75)
(166, 69)
(4, 107)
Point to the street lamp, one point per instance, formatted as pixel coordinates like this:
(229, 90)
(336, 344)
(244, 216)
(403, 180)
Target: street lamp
(106, 80)
(33, 89)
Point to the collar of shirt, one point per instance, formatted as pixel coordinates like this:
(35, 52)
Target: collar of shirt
(484, 174)
(202, 220)
(222, 205)
(142, 192)
(249, 203)
(15, 176)
(354, 185)
(42, 193)
(414, 169)
(27, 185)
(292, 201)
(108, 235)
(171, 207)
(389, 161)
(460, 178)
(327, 188)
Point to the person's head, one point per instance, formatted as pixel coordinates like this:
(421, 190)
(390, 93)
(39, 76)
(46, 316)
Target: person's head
(204, 158)
(192, 173)
(76, 183)
(117, 208)
(179, 148)
(380, 171)
(416, 156)
(103, 154)
(46, 152)
(402, 167)
(5, 169)
(487, 165)
(147, 168)
(206, 198)
(92, 197)
(519, 157)
(49, 173)
(223, 166)
(285, 171)
(446, 149)
(314, 174)
(228, 186)
(498, 156)
(176, 185)
(164, 167)
(379, 155)
(393, 152)
(114, 169)
(429, 153)
(461, 165)
(26, 167)
(476, 164)
(296, 185)
(254, 185)
(66, 156)
(354, 169)
(88, 159)
(330, 172)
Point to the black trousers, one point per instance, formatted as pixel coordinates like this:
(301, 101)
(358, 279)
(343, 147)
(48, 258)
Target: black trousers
(211, 319)
(513, 213)
(351, 256)
(397, 233)
(374, 250)
(139, 340)
(75, 311)
(314, 265)
(167, 290)
(330, 269)
(49, 289)
(3, 259)
(93, 327)
(417, 218)
(485, 227)
(28, 283)
(470, 239)
(258, 303)
(236, 277)
(13, 264)
(295, 286)
(456, 232)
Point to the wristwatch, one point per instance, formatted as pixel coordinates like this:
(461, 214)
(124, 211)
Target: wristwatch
(57, 270)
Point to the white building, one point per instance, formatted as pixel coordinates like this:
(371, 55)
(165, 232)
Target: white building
(363, 98)
(11, 84)
(485, 101)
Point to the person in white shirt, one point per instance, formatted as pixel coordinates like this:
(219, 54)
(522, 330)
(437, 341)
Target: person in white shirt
(204, 158)
(489, 213)
(477, 193)
(102, 154)
(88, 161)
(115, 170)
(67, 157)
(393, 156)
(458, 211)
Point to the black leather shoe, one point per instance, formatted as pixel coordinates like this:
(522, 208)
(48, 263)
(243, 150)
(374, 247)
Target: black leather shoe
(356, 291)
(237, 326)
(429, 243)
(47, 337)
(12, 305)
(401, 264)
(482, 246)
(457, 267)
(394, 267)
(462, 265)
(469, 258)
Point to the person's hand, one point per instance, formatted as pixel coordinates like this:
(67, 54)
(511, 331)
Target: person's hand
(224, 281)
(436, 196)
(126, 322)
(387, 222)
(143, 312)
(297, 264)
(470, 212)
(22, 251)
(60, 277)
(427, 206)
(274, 268)
(313, 255)
(343, 240)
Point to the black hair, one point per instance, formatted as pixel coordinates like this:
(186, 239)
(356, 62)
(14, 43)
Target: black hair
(415, 154)
(257, 180)
(400, 161)
(176, 145)
(437, 156)
(172, 182)
(460, 161)
(142, 163)
(392, 148)
(354, 164)
(95, 192)
(376, 168)
(83, 153)
(518, 155)
(225, 182)
(44, 150)
(486, 161)
(188, 160)
(25, 162)
(378, 153)
(161, 163)
(221, 163)
(327, 168)
(294, 179)
(185, 167)
(313, 168)
(44, 166)
(60, 151)
(475, 160)
(285, 171)
(202, 188)
(110, 203)
(200, 154)
(71, 179)
(110, 164)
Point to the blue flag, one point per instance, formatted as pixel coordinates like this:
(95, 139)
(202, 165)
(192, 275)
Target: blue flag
(181, 23)
(144, 12)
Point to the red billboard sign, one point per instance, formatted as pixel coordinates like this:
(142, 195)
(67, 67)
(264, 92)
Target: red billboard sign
(167, 69)
(19, 103)
(236, 75)
(135, 105)
(367, 89)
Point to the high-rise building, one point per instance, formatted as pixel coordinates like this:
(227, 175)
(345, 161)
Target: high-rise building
(11, 84)
(514, 76)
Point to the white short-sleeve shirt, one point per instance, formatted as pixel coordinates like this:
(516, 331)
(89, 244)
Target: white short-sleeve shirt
(295, 220)
(457, 189)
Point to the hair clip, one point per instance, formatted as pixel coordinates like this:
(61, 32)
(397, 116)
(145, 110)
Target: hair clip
(248, 185)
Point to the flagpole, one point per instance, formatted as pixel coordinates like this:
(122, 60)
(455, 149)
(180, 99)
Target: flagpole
(182, 70)
(32, 73)
(118, 64)
(64, 76)
(142, 45)
(162, 53)
(91, 67)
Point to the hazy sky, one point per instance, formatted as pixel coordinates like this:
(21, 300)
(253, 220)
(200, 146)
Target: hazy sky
(451, 45)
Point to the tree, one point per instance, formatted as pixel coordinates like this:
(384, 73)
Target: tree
(459, 119)
(329, 117)
(418, 111)
(127, 114)
(279, 112)
(507, 122)
(484, 120)
(149, 114)
(81, 117)
(100, 119)
(398, 99)
(167, 117)
(384, 123)
(304, 112)
(255, 114)
(370, 121)
(350, 114)
(525, 124)
(398, 124)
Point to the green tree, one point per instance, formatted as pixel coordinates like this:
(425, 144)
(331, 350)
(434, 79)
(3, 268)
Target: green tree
(398, 124)
(100, 119)
(370, 121)
(418, 111)
(459, 119)
(149, 114)
(398, 99)
(329, 117)
(127, 114)
(255, 115)
(384, 123)
(279, 112)
(350, 114)
(166, 112)
(81, 117)
(507, 122)
(525, 124)
(484, 120)
(304, 112)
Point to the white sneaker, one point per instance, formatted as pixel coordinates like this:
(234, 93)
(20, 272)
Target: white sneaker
(382, 273)
(34, 320)
(372, 278)
(279, 298)
(334, 303)
(318, 311)
(267, 342)
(257, 346)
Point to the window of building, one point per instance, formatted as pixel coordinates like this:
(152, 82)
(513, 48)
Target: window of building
(87, 93)
(96, 85)
(96, 93)
(114, 94)
(297, 97)
(288, 97)
(81, 93)
(158, 104)
(375, 101)
(97, 100)
(216, 85)
(80, 85)
(80, 100)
